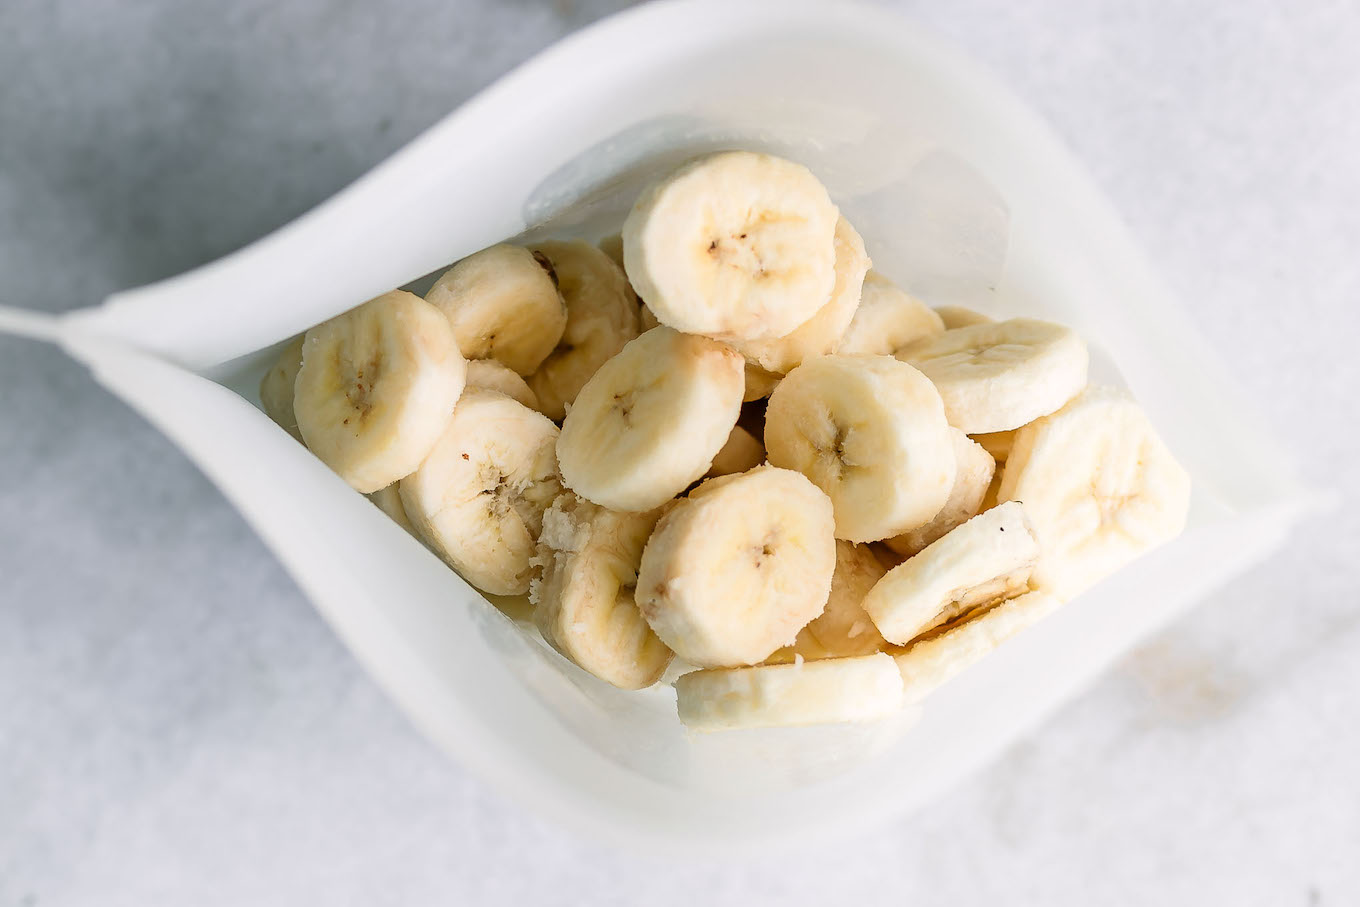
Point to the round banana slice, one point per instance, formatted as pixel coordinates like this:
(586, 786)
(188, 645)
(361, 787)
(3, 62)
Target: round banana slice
(871, 433)
(818, 335)
(1100, 488)
(843, 629)
(736, 245)
(759, 383)
(734, 571)
(944, 653)
(494, 376)
(996, 443)
(389, 502)
(650, 421)
(972, 478)
(276, 388)
(612, 245)
(376, 388)
(998, 376)
(887, 320)
(584, 603)
(503, 304)
(742, 452)
(602, 315)
(957, 316)
(478, 499)
(988, 558)
(834, 690)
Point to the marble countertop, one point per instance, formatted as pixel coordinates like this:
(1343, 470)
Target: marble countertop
(178, 725)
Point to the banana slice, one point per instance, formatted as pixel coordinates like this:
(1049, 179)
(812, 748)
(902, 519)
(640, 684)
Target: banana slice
(646, 320)
(944, 653)
(887, 320)
(738, 567)
(990, 557)
(972, 478)
(957, 316)
(843, 629)
(376, 387)
(612, 245)
(759, 383)
(870, 432)
(503, 304)
(736, 245)
(742, 452)
(584, 602)
(820, 334)
(996, 443)
(494, 376)
(602, 315)
(478, 499)
(389, 502)
(834, 690)
(650, 421)
(1099, 486)
(276, 388)
(998, 376)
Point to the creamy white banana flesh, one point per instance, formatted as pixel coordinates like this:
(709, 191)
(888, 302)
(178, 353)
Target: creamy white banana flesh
(957, 316)
(821, 333)
(650, 421)
(945, 652)
(503, 304)
(602, 315)
(998, 376)
(870, 431)
(495, 376)
(866, 688)
(1099, 485)
(843, 629)
(972, 477)
(388, 501)
(276, 388)
(887, 320)
(376, 387)
(742, 451)
(584, 602)
(988, 558)
(478, 498)
(735, 245)
(734, 571)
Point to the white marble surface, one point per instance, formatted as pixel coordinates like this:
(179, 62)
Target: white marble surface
(178, 727)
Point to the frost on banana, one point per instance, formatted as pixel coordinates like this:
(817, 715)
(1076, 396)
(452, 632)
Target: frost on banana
(601, 316)
(478, 498)
(584, 601)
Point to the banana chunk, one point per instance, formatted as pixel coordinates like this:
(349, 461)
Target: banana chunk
(996, 443)
(376, 387)
(988, 558)
(834, 690)
(972, 477)
(388, 501)
(495, 376)
(478, 499)
(736, 245)
(944, 653)
(843, 629)
(602, 315)
(734, 571)
(584, 603)
(650, 421)
(612, 245)
(503, 304)
(759, 383)
(743, 451)
(821, 333)
(957, 316)
(276, 388)
(1100, 488)
(887, 320)
(1001, 375)
(870, 431)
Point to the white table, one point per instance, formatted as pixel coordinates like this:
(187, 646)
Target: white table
(178, 727)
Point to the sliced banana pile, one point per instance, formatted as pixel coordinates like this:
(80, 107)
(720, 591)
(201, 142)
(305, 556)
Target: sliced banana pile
(588, 424)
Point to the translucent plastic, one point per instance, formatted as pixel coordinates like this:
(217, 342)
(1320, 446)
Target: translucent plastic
(962, 195)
